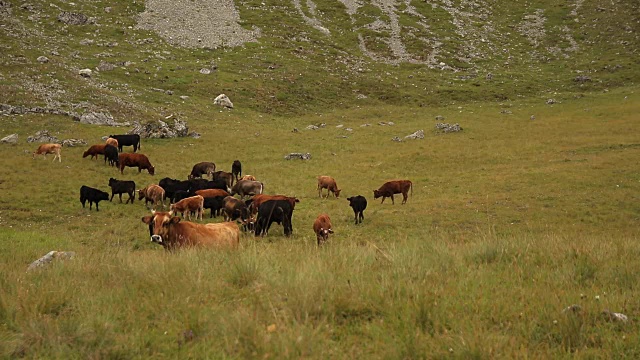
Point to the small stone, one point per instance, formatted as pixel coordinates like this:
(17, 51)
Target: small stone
(85, 73)
(11, 139)
(205, 71)
(43, 59)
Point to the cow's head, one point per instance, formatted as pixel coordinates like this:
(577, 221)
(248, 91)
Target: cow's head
(112, 181)
(152, 170)
(141, 193)
(337, 192)
(159, 223)
(103, 195)
(376, 194)
(85, 154)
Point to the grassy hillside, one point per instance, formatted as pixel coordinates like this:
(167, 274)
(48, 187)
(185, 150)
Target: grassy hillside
(510, 221)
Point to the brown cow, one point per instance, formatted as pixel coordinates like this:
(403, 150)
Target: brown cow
(329, 183)
(248, 177)
(153, 193)
(259, 199)
(45, 149)
(168, 231)
(202, 168)
(226, 176)
(247, 187)
(322, 227)
(394, 187)
(94, 151)
(212, 193)
(234, 209)
(135, 160)
(193, 203)
(111, 141)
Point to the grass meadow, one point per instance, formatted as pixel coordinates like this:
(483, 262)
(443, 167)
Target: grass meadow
(510, 221)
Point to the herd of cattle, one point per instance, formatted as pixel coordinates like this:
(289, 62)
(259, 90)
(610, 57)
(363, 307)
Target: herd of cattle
(206, 188)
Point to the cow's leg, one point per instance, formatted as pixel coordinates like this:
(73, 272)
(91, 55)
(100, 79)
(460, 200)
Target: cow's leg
(139, 169)
(361, 216)
(90, 204)
(392, 202)
(319, 191)
(382, 202)
(97, 206)
(404, 198)
(112, 195)
(83, 201)
(120, 196)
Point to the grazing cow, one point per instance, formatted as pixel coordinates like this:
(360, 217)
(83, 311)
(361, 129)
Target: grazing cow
(179, 195)
(216, 204)
(247, 187)
(235, 209)
(193, 203)
(322, 227)
(94, 151)
(122, 187)
(236, 169)
(248, 177)
(135, 160)
(279, 211)
(256, 201)
(394, 187)
(227, 177)
(168, 231)
(45, 149)
(327, 182)
(92, 195)
(358, 204)
(128, 140)
(113, 142)
(202, 168)
(153, 193)
(111, 154)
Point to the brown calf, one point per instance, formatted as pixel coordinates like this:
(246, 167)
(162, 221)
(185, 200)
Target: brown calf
(322, 228)
(194, 203)
(153, 193)
(329, 183)
(248, 177)
(94, 151)
(394, 187)
(212, 193)
(112, 142)
(45, 149)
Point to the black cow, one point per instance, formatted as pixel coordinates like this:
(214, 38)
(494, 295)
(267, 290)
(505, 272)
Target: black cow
(279, 211)
(122, 187)
(127, 140)
(92, 195)
(216, 205)
(170, 186)
(236, 169)
(358, 204)
(111, 154)
(179, 195)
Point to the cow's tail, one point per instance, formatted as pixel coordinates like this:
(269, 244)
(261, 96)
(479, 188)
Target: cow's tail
(411, 187)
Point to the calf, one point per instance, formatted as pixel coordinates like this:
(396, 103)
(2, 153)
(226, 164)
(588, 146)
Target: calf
(327, 182)
(193, 203)
(246, 187)
(111, 154)
(92, 195)
(153, 193)
(358, 204)
(202, 168)
(94, 151)
(211, 193)
(394, 187)
(45, 149)
(236, 169)
(113, 142)
(127, 140)
(121, 187)
(322, 228)
(248, 177)
(135, 160)
(234, 209)
(279, 211)
(227, 177)
(179, 195)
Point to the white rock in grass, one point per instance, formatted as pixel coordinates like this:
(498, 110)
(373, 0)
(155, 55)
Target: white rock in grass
(49, 257)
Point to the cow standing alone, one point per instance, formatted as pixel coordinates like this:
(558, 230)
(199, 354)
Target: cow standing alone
(358, 204)
(329, 183)
(92, 195)
(135, 160)
(45, 149)
(128, 140)
(322, 227)
(394, 187)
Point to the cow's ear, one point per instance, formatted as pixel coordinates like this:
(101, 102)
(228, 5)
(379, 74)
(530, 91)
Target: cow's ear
(175, 219)
(147, 219)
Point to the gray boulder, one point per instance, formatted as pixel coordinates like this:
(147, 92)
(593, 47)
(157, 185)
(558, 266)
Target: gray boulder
(49, 257)
(223, 100)
(416, 135)
(98, 118)
(447, 128)
(73, 142)
(11, 139)
(161, 130)
(73, 18)
(43, 136)
(301, 156)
